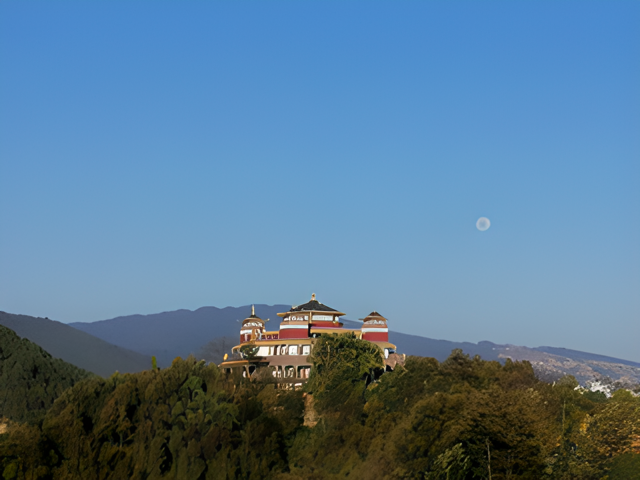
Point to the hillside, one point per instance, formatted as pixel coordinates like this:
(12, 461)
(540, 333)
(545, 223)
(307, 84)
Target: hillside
(180, 333)
(590, 369)
(75, 347)
(30, 378)
(550, 363)
(174, 334)
(428, 420)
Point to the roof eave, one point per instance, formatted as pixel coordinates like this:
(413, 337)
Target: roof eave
(322, 312)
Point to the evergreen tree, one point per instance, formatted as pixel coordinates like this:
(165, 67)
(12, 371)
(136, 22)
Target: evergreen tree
(462, 418)
(30, 378)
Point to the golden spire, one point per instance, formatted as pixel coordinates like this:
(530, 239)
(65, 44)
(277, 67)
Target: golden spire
(253, 310)
(313, 297)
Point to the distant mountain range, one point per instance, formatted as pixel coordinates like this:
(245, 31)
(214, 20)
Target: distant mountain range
(127, 343)
(182, 332)
(76, 347)
(179, 333)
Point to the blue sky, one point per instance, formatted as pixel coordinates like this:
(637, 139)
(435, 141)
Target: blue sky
(165, 155)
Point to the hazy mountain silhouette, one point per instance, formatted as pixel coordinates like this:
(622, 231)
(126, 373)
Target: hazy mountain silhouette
(74, 346)
(179, 333)
(429, 347)
(182, 332)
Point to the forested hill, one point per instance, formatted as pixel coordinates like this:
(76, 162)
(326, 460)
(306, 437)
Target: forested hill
(73, 346)
(30, 378)
(457, 419)
(182, 332)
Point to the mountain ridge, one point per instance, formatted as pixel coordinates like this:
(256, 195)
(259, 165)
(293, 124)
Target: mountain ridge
(74, 346)
(588, 356)
(178, 333)
(183, 332)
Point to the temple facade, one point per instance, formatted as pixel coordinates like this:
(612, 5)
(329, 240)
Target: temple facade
(284, 354)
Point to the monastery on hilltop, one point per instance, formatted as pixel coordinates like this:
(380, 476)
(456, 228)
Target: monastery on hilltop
(285, 352)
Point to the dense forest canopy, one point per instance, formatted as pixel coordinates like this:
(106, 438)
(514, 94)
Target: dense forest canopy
(30, 378)
(461, 418)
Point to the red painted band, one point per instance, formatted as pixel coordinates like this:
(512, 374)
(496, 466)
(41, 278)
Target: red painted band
(294, 333)
(376, 336)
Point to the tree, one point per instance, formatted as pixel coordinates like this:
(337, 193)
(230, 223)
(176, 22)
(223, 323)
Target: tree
(249, 351)
(613, 430)
(342, 366)
(462, 418)
(625, 467)
(453, 464)
(30, 378)
(215, 350)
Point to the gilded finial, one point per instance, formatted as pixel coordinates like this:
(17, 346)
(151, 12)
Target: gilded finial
(253, 310)
(313, 297)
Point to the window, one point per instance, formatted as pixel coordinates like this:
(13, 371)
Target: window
(306, 350)
(293, 349)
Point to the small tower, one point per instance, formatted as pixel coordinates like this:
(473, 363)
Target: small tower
(374, 328)
(252, 327)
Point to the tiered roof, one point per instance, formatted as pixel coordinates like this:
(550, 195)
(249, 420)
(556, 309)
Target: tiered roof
(373, 316)
(312, 306)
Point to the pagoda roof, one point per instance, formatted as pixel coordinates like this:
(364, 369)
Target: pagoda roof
(253, 319)
(373, 315)
(312, 306)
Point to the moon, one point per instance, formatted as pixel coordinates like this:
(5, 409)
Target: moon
(483, 224)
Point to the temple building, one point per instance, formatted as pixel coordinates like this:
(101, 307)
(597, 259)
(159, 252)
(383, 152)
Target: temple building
(284, 353)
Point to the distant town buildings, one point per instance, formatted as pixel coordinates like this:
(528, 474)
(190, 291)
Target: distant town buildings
(284, 353)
